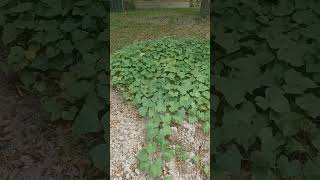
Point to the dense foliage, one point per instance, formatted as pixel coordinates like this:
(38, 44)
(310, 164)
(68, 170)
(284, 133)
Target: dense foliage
(266, 77)
(168, 80)
(59, 49)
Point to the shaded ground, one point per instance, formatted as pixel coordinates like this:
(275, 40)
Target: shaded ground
(142, 25)
(31, 147)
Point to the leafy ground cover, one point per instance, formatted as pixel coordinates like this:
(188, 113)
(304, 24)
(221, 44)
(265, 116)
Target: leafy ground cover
(168, 79)
(266, 82)
(132, 26)
(58, 50)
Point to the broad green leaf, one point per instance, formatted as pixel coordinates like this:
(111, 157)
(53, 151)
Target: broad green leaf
(192, 119)
(297, 83)
(144, 166)
(69, 115)
(78, 35)
(292, 53)
(9, 33)
(166, 118)
(143, 155)
(2, 19)
(151, 148)
(99, 156)
(264, 174)
(155, 168)
(274, 99)
(289, 169)
(166, 130)
(168, 154)
(87, 119)
(22, 7)
(230, 161)
(309, 103)
(311, 169)
(143, 111)
(282, 8)
(227, 86)
(289, 123)
(52, 107)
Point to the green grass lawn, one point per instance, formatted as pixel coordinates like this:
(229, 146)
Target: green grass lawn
(127, 27)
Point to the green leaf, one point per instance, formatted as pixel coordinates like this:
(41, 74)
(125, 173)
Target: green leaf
(227, 86)
(2, 19)
(193, 119)
(65, 46)
(78, 89)
(52, 36)
(263, 174)
(304, 17)
(155, 168)
(16, 57)
(144, 166)
(168, 178)
(68, 25)
(103, 36)
(27, 78)
(292, 53)
(99, 156)
(179, 116)
(143, 155)
(22, 7)
(151, 148)
(184, 156)
(195, 160)
(4, 3)
(96, 11)
(289, 169)
(78, 35)
(274, 99)
(69, 115)
(297, 83)
(143, 111)
(268, 142)
(289, 123)
(206, 127)
(282, 8)
(230, 161)
(316, 141)
(10, 33)
(168, 154)
(87, 120)
(229, 41)
(52, 107)
(166, 118)
(311, 169)
(165, 130)
(309, 103)
(161, 107)
(206, 169)
(32, 51)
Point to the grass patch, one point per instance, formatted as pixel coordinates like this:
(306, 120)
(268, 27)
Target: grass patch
(127, 27)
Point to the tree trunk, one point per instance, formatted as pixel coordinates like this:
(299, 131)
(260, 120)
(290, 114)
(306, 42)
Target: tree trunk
(205, 8)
